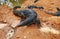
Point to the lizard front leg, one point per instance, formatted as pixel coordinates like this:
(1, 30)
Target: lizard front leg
(38, 23)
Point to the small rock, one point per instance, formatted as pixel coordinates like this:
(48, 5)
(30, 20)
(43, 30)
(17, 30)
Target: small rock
(15, 23)
(3, 25)
(10, 33)
(24, 37)
(27, 32)
(5, 21)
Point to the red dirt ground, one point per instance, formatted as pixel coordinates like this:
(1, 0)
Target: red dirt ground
(31, 32)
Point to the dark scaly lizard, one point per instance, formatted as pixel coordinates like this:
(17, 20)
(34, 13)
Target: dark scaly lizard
(54, 14)
(31, 16)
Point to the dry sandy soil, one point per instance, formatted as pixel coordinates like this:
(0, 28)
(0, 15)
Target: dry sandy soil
(50, 25)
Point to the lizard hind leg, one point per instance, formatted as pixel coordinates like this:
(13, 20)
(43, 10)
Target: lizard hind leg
(38, 23)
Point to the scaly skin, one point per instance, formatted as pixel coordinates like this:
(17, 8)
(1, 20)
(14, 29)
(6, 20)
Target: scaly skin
(37, 7)
(30, 16)
(54, 14)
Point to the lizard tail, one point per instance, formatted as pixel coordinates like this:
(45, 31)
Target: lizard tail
(54, 14)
